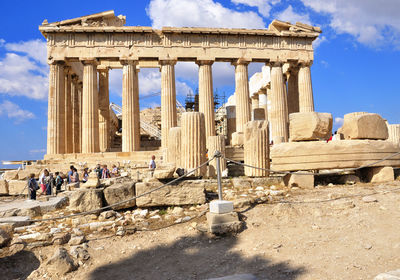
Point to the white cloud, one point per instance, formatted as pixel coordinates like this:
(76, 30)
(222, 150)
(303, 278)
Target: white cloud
(290, 15)
(200, 13)
(263, 6)
(371, 22)
(13, 111)
(317, 42)
(338, 121)
(35, 49)
(25, 73)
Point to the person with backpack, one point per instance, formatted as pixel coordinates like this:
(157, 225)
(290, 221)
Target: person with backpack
(59, 182)
(32, 187)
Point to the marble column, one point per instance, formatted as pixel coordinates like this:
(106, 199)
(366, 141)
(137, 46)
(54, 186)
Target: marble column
(130, 108)
(263, 101)
(278, 115)
(168, 99)
(293, 91)
(90, 108)
(104, 110)
(80, 98)
(206, 96)
(306, 99)
(242, 98)
(76, 116)
(68, 110)
(174, 146)
(216, 143)
(56, 110)
(230, 122)
(256, 148)
(394, 133)
(193, 142)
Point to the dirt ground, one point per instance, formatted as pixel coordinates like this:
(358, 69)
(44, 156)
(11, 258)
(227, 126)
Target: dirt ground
(337, 232)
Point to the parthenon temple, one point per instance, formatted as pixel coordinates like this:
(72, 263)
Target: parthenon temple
(81, 52)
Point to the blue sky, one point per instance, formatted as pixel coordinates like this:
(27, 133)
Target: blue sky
(355, 66)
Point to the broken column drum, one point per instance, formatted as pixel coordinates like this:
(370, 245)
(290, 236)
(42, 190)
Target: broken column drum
(256, 148)
(216, 143)
(193, 142)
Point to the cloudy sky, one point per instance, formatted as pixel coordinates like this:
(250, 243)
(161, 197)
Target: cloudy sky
(355, 68)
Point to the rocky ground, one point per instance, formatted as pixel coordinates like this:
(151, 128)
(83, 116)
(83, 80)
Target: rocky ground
(330, 232)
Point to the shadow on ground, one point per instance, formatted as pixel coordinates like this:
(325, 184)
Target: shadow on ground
(18, 266)
(195, 258)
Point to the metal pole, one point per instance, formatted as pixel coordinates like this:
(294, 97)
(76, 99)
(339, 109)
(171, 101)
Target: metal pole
(218, 158)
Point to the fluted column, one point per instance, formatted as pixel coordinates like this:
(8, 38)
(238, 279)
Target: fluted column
(90, 108)
(278, 115)
(168, 99)
(56, 110)
(242, 98)
(104, 110)
(216, 143)
(80, 98)
(130, 108)
(263, 102)
(193, 142)
(306, 99)
(230, 122)
(75, 115)
(394, 133)
(174, 146)
(206, 96)
(68, 110)
(256, 148)
(293, 91)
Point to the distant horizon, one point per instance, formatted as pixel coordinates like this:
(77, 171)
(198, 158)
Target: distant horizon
(354, 69)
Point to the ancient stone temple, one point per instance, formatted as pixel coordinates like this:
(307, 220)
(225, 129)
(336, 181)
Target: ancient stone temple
(81, 52)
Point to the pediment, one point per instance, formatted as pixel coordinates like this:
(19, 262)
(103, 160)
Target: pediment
(106, 18)
(281, 26)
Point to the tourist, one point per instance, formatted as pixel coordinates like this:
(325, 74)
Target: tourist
(59, 182)
(98, 171)
(114, 171)
(49, 181)
(152, 165)
(335, 136)
(85, 175)
(69, 174)
(42, 180)
(75, 177)
(105, 173)
(32, 187)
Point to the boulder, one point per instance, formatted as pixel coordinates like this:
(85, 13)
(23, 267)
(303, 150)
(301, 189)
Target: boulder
(164, 173)
(5, 238)
(61, 262)
(391, 275)
(10, 175)
(3, 187)
(306, 126)
(53, 203)
(119, 192)
(380, 174)
(17, 187)
(299, 180)
(86, 200)
(186, 192)
(362, 125)
(92, 182)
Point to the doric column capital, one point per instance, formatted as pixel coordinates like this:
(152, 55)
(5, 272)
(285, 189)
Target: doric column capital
(276, 63)
(204, 62)
(89, 60)
(128, 61)
(103, 68)
(305, 63)
(167, 61)
(56, 62)
(241, 61)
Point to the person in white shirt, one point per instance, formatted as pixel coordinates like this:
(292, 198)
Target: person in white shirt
(152, 164)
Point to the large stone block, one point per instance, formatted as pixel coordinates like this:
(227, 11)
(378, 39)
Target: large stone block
(3, 187)
(362, 125)
(10, 175)
(86, 200)
(186, 192)
(307, 126)
(299, 180)
(120, 192)
(380, 174)
(332, 155)
(17, 187)
(24, 174)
